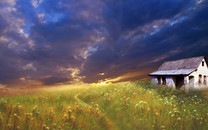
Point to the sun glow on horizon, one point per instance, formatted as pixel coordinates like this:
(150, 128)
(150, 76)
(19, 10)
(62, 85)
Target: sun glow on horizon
(102, 83)
(118, 79)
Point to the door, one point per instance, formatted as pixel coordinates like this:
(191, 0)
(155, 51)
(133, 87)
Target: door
(179, 81)
(164, 80)
(158, 80)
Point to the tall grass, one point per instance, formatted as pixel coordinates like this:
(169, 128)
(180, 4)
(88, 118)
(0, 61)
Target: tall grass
(135, 105)
(144, 106)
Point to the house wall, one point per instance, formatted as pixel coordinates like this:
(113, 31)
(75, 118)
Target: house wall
(186, 83)
(203, 70)
(169, 81)
(154, 80)
(186, 80)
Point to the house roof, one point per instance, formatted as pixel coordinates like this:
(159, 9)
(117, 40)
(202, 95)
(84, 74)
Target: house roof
(179, 67)
(173, 72)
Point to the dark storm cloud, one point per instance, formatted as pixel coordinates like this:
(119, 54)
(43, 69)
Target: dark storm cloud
(34, 63)
(132, 13)
(54, 42)
(60, 42)
(54, 80)
(183, 36)
(9, 72)
(123, 16)
(187, 35)
(3, 24)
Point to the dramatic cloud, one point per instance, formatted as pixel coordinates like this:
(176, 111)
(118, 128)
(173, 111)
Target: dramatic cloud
(44, 42)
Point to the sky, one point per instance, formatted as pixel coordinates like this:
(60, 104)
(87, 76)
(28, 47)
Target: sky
(60, 42)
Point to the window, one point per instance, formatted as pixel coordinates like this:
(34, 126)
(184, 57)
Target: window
(205, 80)
(202, 63)
(200, 79)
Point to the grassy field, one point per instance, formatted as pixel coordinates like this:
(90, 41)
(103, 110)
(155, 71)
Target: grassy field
(135, 105)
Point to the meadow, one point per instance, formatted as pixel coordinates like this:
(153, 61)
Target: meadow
(121, 106)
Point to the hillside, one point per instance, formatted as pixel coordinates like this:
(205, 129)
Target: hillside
(133, 105)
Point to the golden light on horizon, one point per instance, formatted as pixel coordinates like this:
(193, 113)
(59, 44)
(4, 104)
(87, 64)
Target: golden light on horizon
(102, 83)
(22, 79)
(101, 74)
(117, 79)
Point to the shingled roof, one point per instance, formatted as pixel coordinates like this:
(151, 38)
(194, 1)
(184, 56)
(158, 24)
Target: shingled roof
(179, 67)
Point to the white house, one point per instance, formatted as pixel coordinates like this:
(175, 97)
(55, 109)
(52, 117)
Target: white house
(185, 73)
